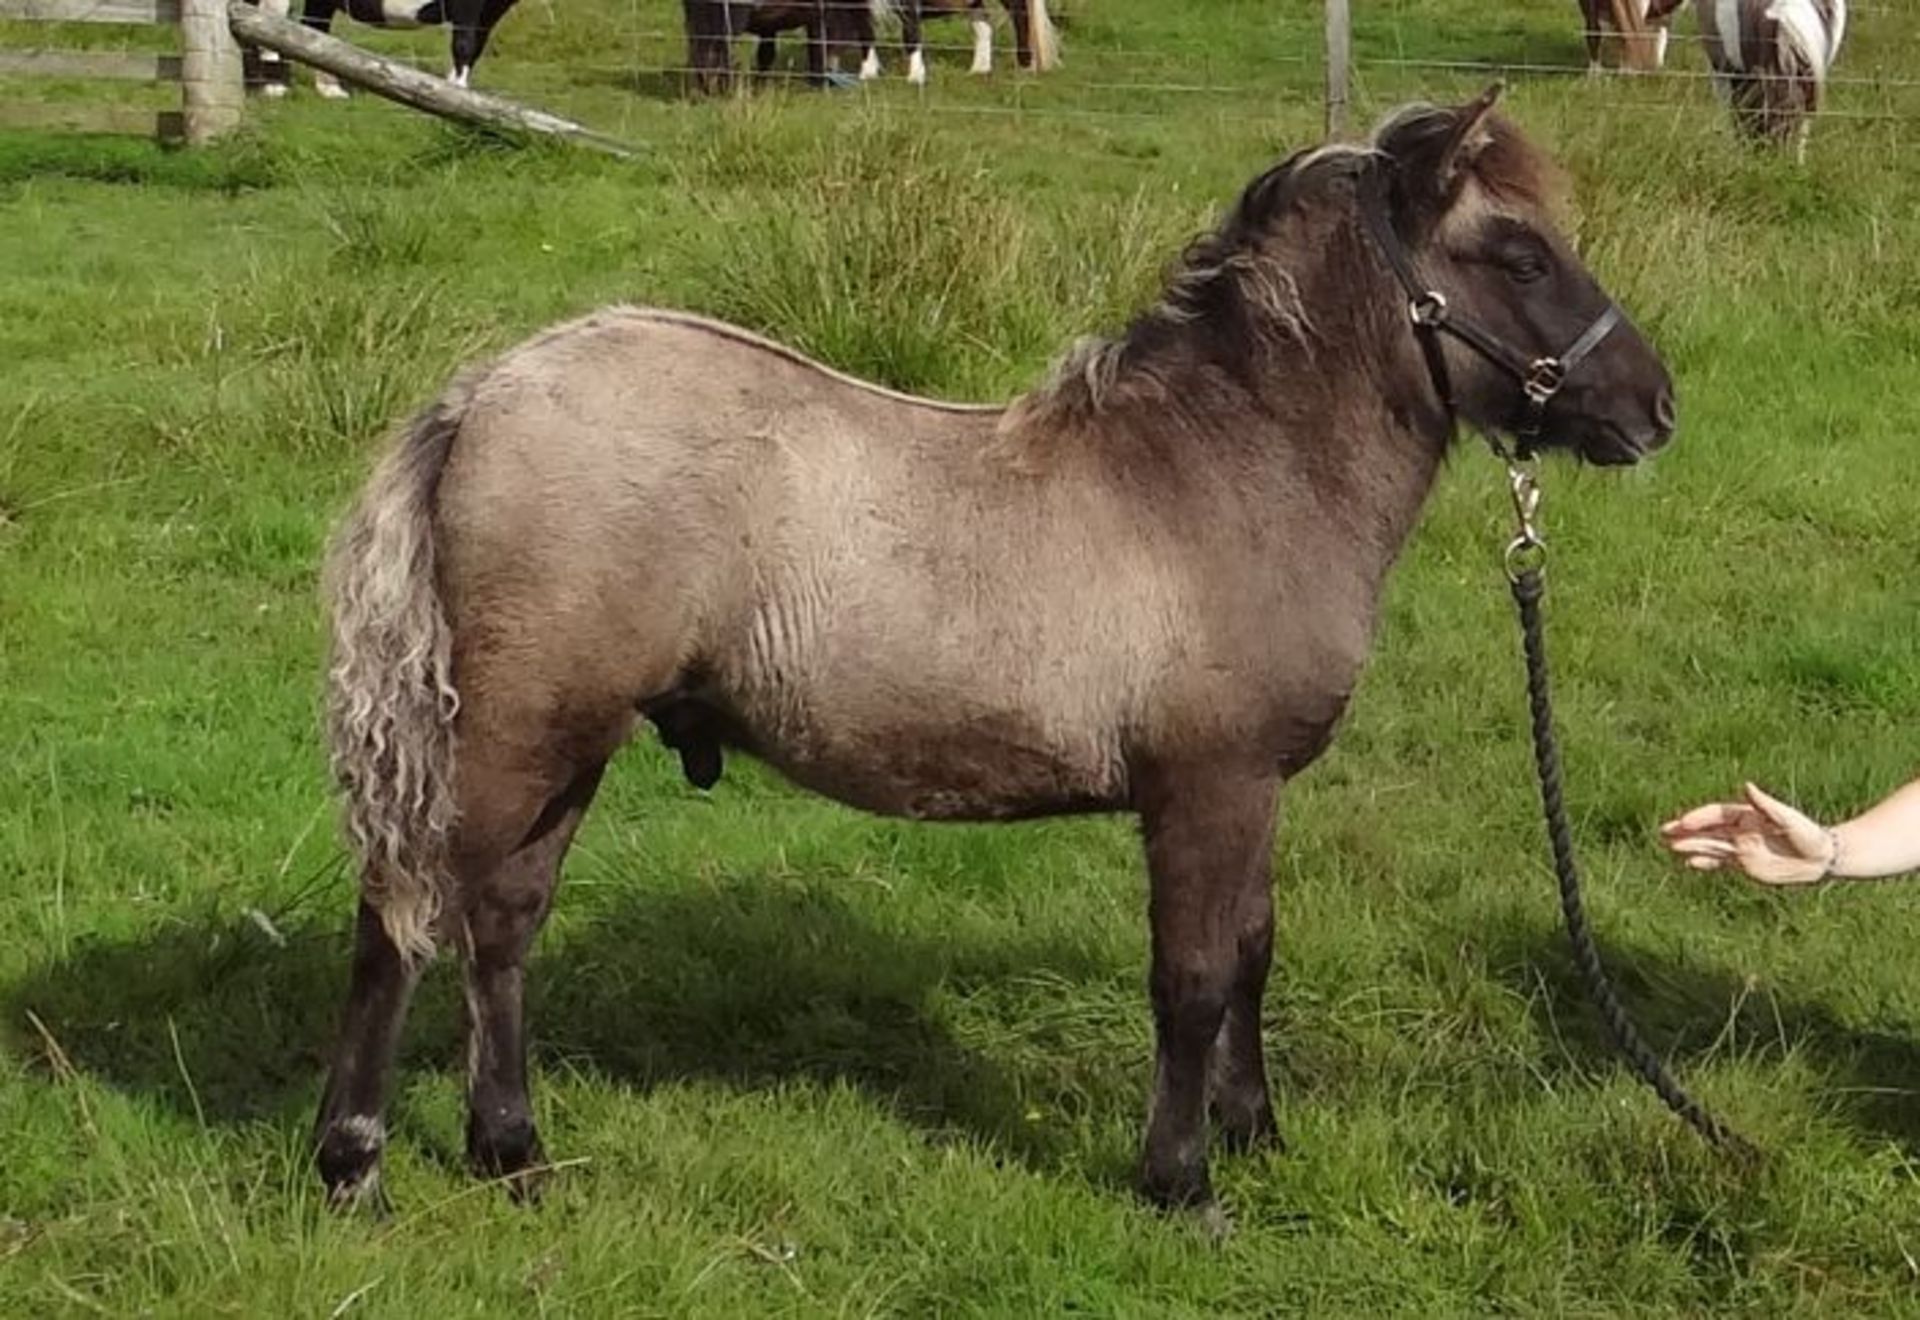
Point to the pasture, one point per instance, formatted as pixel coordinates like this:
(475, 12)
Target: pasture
(796, 1060)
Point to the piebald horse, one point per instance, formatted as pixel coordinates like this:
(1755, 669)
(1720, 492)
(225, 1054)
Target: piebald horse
(472, 21)
(1146, 586)
(1771, 59)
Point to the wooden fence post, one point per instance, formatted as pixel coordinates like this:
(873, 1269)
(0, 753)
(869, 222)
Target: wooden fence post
(212, 88)
(1339, 60)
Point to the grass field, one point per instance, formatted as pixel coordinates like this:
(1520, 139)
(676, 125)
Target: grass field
(797, 1060)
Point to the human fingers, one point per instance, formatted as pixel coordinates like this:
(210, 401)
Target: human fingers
(1702, 846)
(1708, 816)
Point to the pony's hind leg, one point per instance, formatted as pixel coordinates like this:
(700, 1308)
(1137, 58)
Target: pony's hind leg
(1209, 833)
(501, 912)
(351, 1129)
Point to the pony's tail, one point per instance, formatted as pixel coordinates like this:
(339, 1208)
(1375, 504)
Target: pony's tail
(390, 694)
(1043, 37)
(880, 9)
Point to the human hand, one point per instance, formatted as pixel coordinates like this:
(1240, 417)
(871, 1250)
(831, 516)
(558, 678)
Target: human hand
(1772, 842)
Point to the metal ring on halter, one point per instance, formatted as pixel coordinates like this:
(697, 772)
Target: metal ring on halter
(1525, 554)
(1430, 308)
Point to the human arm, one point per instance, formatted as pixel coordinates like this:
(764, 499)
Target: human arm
(1777, 844)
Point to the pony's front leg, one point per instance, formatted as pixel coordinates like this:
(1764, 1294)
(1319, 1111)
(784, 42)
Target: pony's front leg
(1238, 1099)
(1209, 837)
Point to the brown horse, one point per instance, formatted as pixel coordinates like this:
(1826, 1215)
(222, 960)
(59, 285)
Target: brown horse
(1146, 586)
(1627, 34)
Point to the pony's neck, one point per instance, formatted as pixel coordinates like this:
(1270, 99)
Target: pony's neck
(1344, 408)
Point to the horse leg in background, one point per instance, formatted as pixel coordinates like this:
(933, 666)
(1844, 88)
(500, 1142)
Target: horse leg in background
(816, 33)
(709, 26)
(1036, 45)
(473, 24)
(982, 36)
(1590, 11)
(870, 56)
(504, 906)
(351, 1130)
(275, 74)
(1209, 838)
(318, 15)
(860, 35)
(910, 39)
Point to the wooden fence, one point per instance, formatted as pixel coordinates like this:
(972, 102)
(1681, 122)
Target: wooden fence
(207, 68)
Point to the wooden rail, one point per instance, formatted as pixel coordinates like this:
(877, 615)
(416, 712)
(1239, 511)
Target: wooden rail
(207, 68)
(140, 13)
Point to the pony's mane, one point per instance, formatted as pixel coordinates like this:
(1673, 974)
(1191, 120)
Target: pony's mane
(1227, 271)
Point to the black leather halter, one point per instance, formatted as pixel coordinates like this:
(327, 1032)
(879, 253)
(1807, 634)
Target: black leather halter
(1540, 377)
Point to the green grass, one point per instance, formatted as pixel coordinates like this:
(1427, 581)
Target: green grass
(805, 1061)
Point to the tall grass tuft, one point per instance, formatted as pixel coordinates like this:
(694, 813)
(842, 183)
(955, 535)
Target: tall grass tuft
(896, 259)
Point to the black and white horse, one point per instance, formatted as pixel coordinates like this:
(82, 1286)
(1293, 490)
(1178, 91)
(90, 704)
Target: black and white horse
(1036, 44)
(1771, 59)
(472, 21)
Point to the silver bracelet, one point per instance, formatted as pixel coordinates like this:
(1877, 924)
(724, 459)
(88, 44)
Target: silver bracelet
(1833, 854)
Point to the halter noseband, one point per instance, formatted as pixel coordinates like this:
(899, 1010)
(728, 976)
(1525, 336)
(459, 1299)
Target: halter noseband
(1540, 377)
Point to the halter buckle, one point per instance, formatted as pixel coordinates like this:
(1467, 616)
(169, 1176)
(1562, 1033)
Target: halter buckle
(1429, 309)
(1545, 378)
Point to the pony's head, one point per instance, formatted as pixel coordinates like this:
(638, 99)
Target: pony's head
(1472, 202)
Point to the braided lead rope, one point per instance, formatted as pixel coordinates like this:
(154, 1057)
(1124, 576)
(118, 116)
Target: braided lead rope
(1529, 585)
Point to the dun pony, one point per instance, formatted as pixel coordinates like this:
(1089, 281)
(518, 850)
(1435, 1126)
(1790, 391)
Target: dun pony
(1147, 586)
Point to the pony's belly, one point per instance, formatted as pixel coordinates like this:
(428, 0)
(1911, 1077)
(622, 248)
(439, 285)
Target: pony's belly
(979, 770)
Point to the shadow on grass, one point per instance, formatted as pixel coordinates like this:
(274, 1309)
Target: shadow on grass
(755, 982)
(1690, 1013)
(746, 984)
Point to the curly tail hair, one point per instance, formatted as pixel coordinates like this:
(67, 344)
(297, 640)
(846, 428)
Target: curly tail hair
(390, 695)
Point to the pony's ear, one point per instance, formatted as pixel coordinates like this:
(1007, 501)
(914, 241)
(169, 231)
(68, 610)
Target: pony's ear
(1468, 138)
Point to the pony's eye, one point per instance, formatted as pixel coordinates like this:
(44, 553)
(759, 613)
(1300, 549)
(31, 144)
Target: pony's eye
(1525, 267)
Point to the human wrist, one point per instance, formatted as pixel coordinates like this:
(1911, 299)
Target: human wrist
(1836, 852)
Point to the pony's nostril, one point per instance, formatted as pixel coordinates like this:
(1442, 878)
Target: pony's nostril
(1663, 412)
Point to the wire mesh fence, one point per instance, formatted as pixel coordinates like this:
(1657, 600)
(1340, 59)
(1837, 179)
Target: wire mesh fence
(1250, 63)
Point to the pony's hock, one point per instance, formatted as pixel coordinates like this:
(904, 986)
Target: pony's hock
(1147, 586)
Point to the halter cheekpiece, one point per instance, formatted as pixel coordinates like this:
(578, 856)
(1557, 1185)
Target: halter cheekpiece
(1541, 378)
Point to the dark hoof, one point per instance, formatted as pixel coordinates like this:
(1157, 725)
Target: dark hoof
(347, 1156)
(1243, 1129)
(1178, 1189)
(511, 1155)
